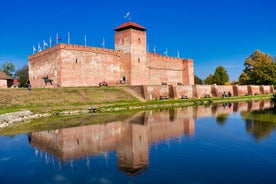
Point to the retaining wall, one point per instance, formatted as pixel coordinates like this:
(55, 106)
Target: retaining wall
(201, 91)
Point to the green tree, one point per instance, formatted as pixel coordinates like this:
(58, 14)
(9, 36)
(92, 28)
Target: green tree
(209, 79)
(260, 69)
(8, 68)
(198, 80)
(220, 76)
(23, 75)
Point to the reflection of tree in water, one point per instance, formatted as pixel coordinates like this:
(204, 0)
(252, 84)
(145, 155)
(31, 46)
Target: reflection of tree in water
(260, 123)
(221, 119)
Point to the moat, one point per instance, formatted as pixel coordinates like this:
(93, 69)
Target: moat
(224, 143)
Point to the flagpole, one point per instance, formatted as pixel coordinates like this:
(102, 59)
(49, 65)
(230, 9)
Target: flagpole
(57, 38)
(50, 42)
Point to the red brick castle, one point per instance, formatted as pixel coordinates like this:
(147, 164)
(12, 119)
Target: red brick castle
(71, 65)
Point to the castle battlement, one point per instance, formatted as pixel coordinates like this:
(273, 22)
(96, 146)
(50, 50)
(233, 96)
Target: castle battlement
(156, 56)
(88, 49)
(73, 65)
(74, 47)
(43, 52)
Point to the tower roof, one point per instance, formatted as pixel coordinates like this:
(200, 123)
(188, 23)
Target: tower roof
(128, 25)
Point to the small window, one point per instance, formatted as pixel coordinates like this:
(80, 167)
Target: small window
(76, 60)
(139, 40)
(123, 41)
(138, 60)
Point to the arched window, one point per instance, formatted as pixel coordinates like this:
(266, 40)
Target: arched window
(138, 60)
(123, 41)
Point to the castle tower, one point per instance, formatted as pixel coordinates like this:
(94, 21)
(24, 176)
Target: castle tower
(131, 39)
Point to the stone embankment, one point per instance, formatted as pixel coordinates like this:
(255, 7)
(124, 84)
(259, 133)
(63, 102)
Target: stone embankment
(17, 117)
(26, 115)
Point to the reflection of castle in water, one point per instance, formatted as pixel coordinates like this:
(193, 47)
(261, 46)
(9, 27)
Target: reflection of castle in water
(130, 138)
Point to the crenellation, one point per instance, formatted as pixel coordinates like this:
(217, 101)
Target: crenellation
(129, 63)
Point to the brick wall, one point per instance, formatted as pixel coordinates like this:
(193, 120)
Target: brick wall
(240, 90)
(201, 91)
(3, 83)
(170, 70)
(74, 65)
(184, 90)
(90, 68)
(45, 63)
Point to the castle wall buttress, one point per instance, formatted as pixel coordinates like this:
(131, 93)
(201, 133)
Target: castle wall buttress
(188, 72)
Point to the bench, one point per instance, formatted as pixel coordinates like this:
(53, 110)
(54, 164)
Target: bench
(207, 96)
(163, 83)
(184, 97)
(163, 97)
(92, 109)
(103, 83)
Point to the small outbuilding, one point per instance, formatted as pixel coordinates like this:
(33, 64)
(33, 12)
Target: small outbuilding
(5, 80)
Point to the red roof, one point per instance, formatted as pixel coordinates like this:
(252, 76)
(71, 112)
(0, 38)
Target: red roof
(3, 75)
(128, 25)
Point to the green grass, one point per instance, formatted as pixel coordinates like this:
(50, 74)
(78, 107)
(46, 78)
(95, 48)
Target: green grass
(45, 100)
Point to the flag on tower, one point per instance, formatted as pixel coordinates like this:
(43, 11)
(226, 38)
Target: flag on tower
(58, 38)
(39, 47)
(68, 41)
(154, 49)
(166, 52)
(103, 43)
(127, 15)
(34, 49)
(178, 55)
(45, 44)
(51, 41)
(85, 40)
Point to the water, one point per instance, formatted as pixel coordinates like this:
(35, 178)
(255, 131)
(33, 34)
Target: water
(229, 143)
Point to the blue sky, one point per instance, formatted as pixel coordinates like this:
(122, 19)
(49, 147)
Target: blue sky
(212, 32)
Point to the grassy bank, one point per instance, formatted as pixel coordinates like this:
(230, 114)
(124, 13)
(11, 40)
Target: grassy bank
(55, 100)
(112, 103)
(59, 99)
